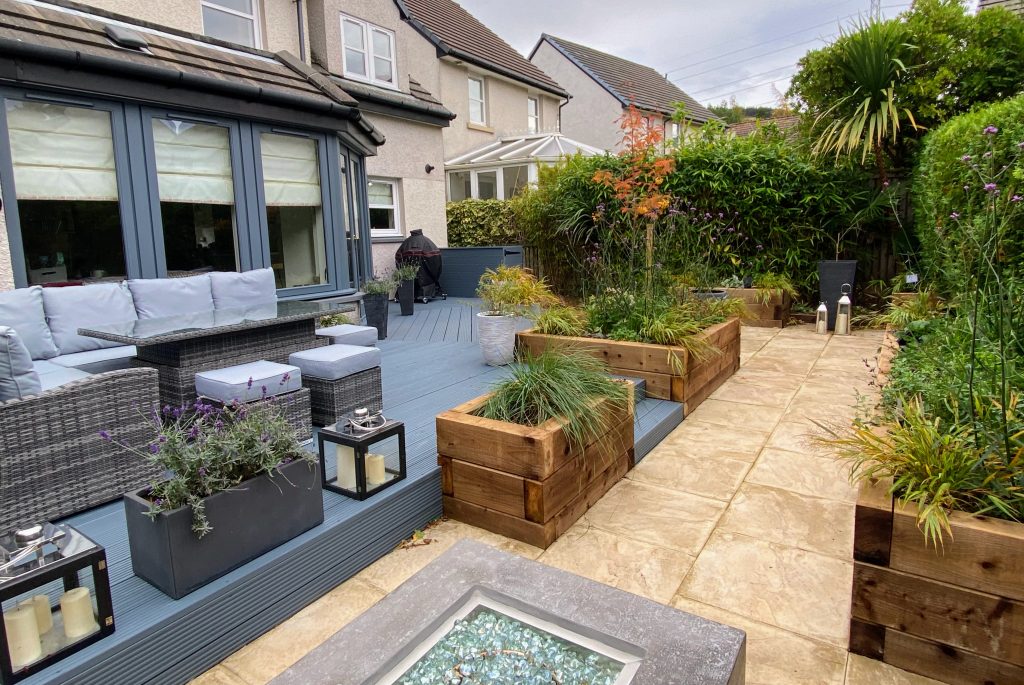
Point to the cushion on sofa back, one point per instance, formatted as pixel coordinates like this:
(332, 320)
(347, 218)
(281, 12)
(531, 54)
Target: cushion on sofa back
(158, 297)
(17, 377)
(81, 306)
(22, 310)
(233, 290)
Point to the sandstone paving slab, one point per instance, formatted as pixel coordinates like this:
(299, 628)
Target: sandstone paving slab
(737, 415)
(748, 390)
(708, 440)
(786, 364)
(803, 592)
(864, 671)
(643, 569)
(803, 473)
(668, 518)
(219, 675)
(790, 518)
(802, 437)
(718, 477)
(776, 656)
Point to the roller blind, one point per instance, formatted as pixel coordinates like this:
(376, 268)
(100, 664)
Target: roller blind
(291, 172)
(61, 153)
(380, 193)
(193, 162)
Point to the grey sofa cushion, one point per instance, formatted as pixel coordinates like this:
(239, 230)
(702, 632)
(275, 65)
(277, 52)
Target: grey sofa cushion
(22, 310)
(98, 361)
(232, 290)
(56, 379)
(159, 297)
(350, 334)
(245, 382)
(71, 308)
(335, 361)
(18, 379)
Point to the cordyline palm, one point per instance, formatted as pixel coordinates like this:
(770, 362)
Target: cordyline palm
(872, 65)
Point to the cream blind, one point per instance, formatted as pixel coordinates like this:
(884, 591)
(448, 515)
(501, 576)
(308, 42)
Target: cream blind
(193, 162)
(291, 172)
(61, 153)
(380, 193)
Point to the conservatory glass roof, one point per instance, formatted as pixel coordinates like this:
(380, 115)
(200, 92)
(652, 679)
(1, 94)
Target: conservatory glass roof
(533, 147)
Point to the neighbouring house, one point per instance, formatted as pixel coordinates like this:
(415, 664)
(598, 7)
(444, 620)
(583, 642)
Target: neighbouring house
(603, 85)
(787, 124)
(497, 94)
(136, 149)
(1012, 5)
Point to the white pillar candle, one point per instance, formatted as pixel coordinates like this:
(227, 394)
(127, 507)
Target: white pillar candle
(375, 472)
(822, 327)
(843, 324)
(44, 617)
(76, 609)
(346, 457)
(22, 636)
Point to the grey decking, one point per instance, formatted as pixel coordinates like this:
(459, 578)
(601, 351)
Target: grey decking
(429, 364)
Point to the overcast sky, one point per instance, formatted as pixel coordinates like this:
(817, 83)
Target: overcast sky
(713, 49)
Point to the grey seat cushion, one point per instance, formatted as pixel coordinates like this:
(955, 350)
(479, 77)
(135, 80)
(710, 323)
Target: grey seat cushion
(98, 361)
(335, 361)
(55, 379)
(74, 307)
(22, 310)
(159, 297)
(350, 334)
(18, 378)
(246, 382)
(232, 290)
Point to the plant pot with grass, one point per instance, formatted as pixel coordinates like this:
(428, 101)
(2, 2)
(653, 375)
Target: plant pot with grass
(375, 304)
(768, 299)
(405, 277)
(241, 485)
(528, 459)
(507, 292)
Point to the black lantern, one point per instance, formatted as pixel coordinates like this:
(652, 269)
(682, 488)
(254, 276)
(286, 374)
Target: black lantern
(50, 612)
(361, 471)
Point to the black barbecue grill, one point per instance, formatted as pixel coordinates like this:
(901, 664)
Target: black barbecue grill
(421, 250)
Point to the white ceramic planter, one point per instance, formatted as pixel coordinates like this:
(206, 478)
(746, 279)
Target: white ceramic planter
(497, 338)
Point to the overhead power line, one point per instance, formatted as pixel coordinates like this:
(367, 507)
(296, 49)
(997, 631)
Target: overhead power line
(763, 54)
(741, 80)
(743, 90)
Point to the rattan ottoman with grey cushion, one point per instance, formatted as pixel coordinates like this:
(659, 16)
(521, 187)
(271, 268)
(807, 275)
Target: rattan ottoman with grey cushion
(349, 334)
(340, 378)
(255, 381)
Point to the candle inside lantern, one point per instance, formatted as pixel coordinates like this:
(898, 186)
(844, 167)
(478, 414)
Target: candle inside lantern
(843, 324)
(76, 609)
(22, 636)
(375, 472)
(346, 457)
(44, 617)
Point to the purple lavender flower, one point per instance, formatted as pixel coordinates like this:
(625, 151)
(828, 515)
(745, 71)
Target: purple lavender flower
(265, 437)
(105, 436)
(965, 158)
(263, 388)
(193, 432)
(600, 207)
(990, 130)
(162, 438)
(1016, 198)
(285, 378)
(954, 216)
(158, 502)
(248, 385)
(218, 424)
(991, 188)
(154, 448)
(731, 229)
(202, 471)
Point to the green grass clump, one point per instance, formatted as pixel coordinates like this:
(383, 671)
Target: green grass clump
(562, 320)
(560, 384)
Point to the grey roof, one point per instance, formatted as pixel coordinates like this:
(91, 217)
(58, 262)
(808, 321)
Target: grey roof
(628, 82)
(418, 100)
(68, 34)
(457, 33)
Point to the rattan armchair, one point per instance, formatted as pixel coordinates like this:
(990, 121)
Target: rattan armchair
(53, 461)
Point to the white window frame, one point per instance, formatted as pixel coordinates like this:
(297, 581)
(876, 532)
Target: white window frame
(368, 54)
(482, 100)
(257, 34)
(533, 119)
(674, 126)
(395, 206)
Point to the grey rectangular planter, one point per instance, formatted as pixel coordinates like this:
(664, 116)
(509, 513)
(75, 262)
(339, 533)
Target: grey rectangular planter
(247, 521)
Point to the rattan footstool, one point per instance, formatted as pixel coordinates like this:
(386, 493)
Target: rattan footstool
(255, 381)
(340, 378)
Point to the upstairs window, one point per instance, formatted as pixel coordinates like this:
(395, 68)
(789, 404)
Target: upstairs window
(236, 21)
(532, 115)
(477, 101)
(368, 52)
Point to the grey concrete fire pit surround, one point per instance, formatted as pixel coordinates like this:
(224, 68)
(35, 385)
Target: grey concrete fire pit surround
(678, 648)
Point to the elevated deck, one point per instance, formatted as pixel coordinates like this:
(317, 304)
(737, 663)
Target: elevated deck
(430, 363)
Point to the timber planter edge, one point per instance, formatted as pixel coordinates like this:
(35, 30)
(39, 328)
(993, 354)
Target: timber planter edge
(654, 363)
(248, 520)
(764, 312)
(523, 482)
(955, 614)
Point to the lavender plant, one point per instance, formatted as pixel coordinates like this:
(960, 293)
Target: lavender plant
(208, 449)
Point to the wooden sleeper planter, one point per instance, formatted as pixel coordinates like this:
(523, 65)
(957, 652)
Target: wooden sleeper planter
(773, 313)
(955, 614)
(654, 363)
(523, 482)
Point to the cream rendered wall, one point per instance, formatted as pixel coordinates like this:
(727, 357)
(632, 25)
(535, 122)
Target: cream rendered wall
(6, 268)
(278, 19)
(505, 108)
(590, 116)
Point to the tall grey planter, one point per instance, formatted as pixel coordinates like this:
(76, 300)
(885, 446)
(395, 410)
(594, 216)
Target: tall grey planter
(497, 338)
(253, 518)
(832, 275)
(406, 297)
(375, 307)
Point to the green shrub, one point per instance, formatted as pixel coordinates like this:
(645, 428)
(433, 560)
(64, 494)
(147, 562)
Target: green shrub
(482, 223)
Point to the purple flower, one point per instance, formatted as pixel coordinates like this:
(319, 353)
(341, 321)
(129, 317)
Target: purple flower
(265, 437)
(248, 385)
(158, 502)
(987, 154)
(885, 184)
(263, 388)
(193, 433)
(106, 436)
(760, 247)
(954, 216)
(218, 424)
(154, 448)
(162, 438)
(1016, 198)
(965, 158)
(731, 229)
(285, 378)
(991, 188)
(202, 471)
(990, 130)
(600, 207)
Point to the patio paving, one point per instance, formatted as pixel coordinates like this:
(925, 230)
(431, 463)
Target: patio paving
(737, 516)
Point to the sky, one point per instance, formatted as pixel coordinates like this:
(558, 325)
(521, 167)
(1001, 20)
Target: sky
(713, 50)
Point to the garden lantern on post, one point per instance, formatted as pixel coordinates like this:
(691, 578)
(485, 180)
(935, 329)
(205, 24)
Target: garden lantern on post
(360, 472)
(821, 320)
(843, 311)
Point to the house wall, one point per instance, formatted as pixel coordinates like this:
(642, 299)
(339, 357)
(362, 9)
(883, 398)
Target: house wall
(505, 108)
(278, 20)
(6, 268)
(590, 116)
